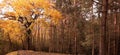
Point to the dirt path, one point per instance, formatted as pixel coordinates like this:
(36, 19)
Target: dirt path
(23, 52)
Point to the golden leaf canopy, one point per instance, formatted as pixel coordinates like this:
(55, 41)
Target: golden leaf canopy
(12, 27)
(14, 30)
(31, 8)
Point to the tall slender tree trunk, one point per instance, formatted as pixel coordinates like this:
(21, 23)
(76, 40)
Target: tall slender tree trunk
(118, 51)
(103, 50)
(93, 44)
(92, 30)
(116, 20)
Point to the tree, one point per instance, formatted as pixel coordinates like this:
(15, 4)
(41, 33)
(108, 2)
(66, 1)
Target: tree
(27, 11)
(13, 36)
(103, 38)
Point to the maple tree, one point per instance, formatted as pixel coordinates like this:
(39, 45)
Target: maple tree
(28, 13)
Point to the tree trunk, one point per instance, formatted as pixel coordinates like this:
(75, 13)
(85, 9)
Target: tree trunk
(103, 50)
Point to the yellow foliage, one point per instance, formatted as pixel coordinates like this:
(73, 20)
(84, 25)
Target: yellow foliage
(42, 22)
(56, 15)
(11, 14)
(27, 7)
(14, 29)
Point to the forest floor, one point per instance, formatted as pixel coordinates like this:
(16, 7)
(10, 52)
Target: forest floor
(26, 52)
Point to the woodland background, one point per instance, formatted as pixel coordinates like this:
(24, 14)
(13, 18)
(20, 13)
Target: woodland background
(88, 27)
